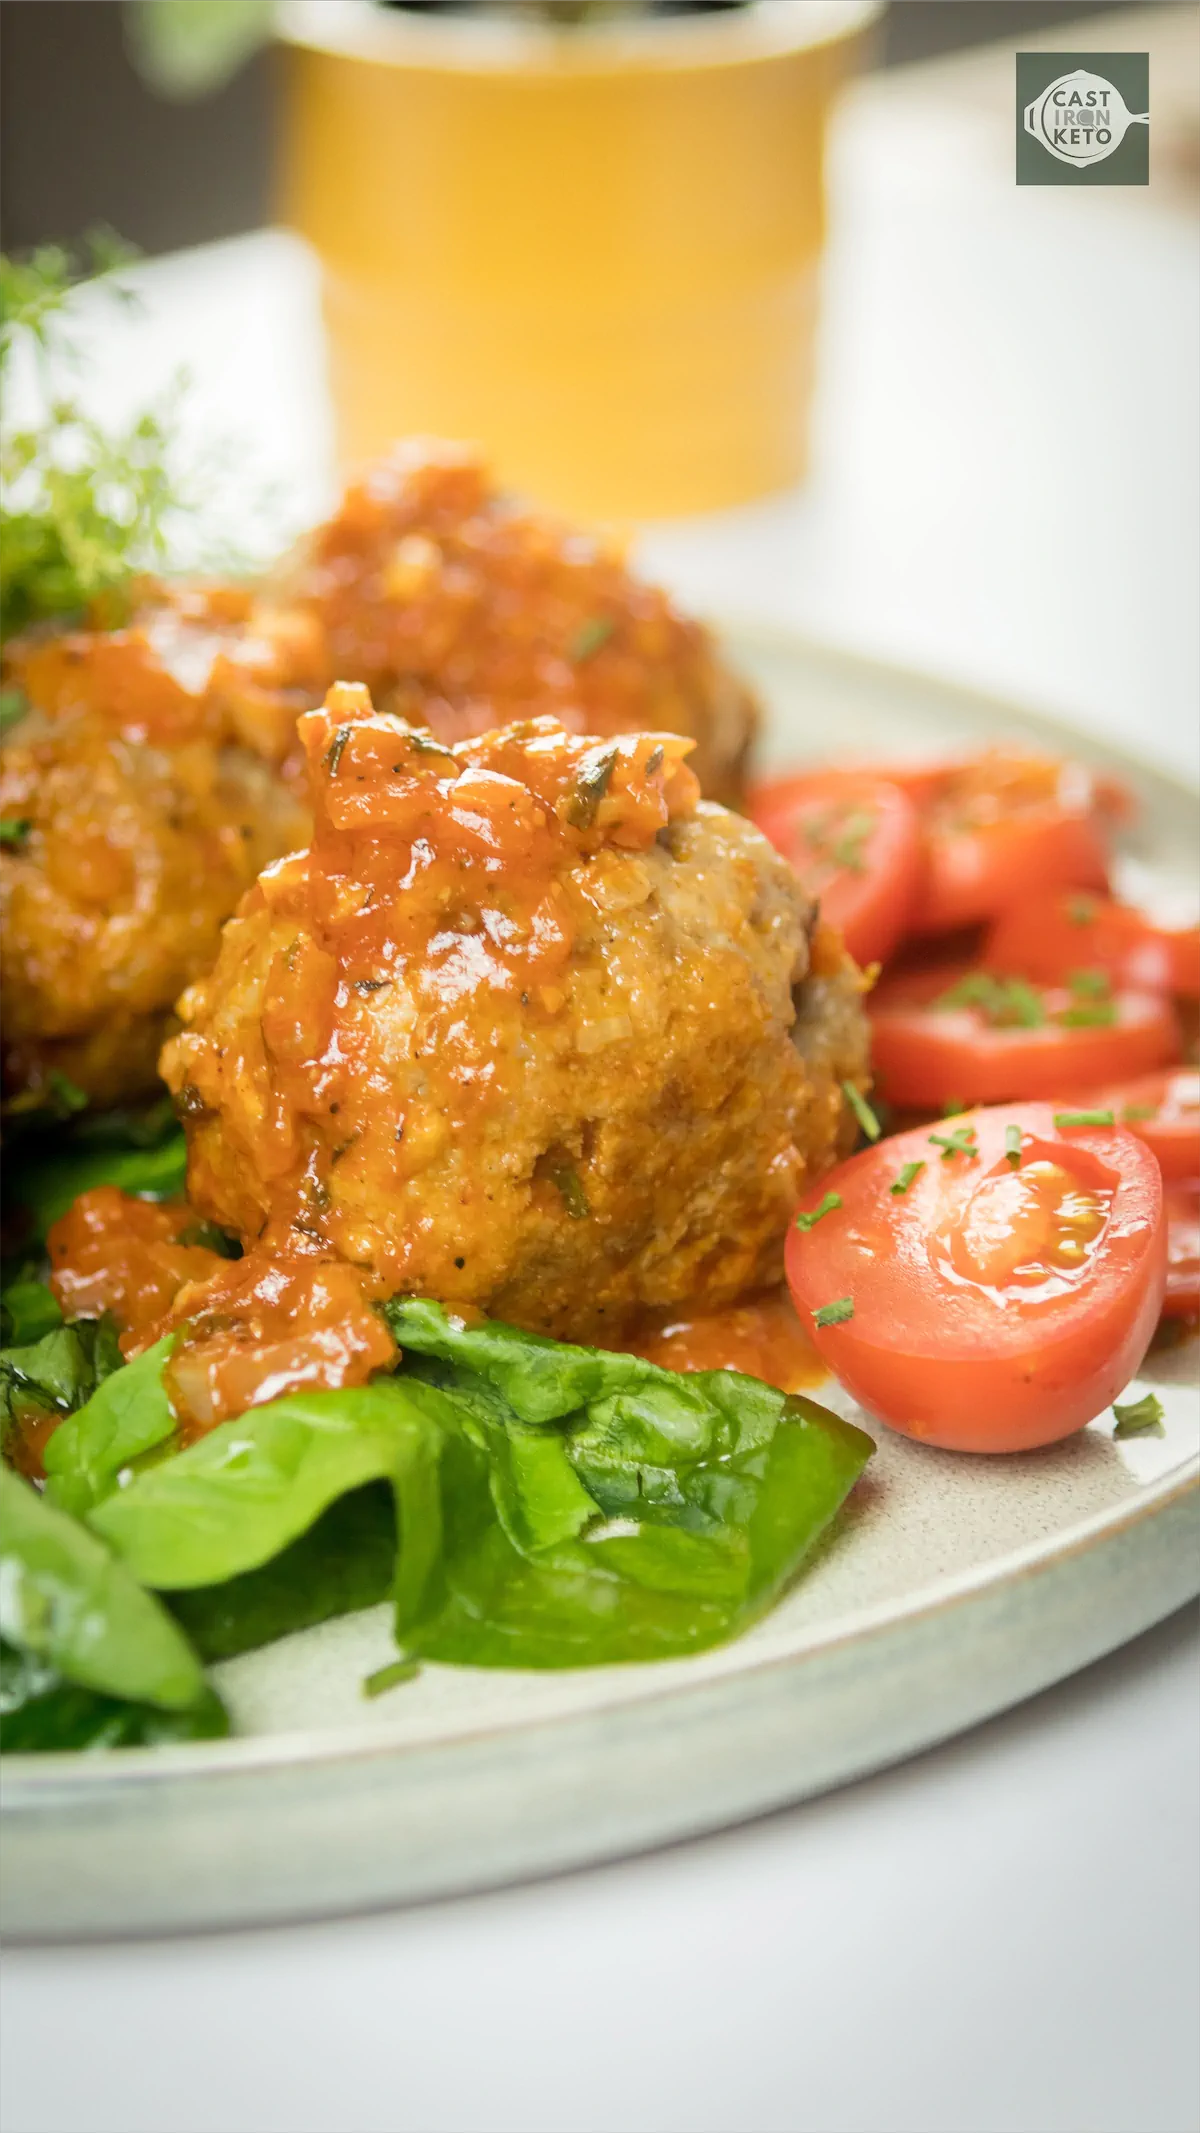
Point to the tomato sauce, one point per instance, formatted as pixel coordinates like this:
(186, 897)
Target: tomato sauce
(762, 1337)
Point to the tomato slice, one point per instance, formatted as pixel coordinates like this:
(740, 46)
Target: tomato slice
(942, 1034)
(855, 843)
(988, 1286)
(1163, 1109)
(1047, 937)
(999, 825)
(1182, 1299)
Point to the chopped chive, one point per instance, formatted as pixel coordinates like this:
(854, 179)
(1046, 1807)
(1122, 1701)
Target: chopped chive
(654, 761)
(1004, 1003)
(589, 637)
(14, 833)
(953, 1105)
(827, 1206)
(390, 1676)
(835, 1314)
(848, 851)
(1141, 1418)
(569, 1186)
(1081, 910)
(904, 1176)
(862, 1111)
(1131, 1113)
(960, 1142)
(1012, 1146)
(1092, 1014)
(1095, 984)
(1063, 1119)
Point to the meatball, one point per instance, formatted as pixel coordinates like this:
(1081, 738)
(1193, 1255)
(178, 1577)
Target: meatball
(155, 772)
(460, 607)
(517, 1031)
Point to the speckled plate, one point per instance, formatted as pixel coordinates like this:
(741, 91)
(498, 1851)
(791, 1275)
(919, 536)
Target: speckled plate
(953, 1588)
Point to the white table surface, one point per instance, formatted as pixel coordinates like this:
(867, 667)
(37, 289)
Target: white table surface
(1000, 1937)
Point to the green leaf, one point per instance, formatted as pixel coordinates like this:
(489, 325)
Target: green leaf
(14, 705)
(47, 1185)
(66, 1600)
(345, 1562)
(58, 1373)
(14, 833)
(250, 1487)
(43, 1714)
(128, 1415)
(27, 1311)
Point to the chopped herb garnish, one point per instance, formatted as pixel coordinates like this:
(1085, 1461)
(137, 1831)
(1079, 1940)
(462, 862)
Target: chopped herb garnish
(14, 833)
(569, 1186)
(1096, 1014)
(390, 1676)
(589, 637)
(835, 1314)
(1012, 1146)
(13, 705)
(591, 784)
(960, 1142)
(333, 754)
(424, 744)
(1081, 910)
(1063, 1119)
(1131, 1113)
(848, 850)
(1004, 1003)
(1093, 984)
(1141, 1418)
(654, 761)
(953, 1105)
(862, 1111)
(905, 1176)
(809, 1221)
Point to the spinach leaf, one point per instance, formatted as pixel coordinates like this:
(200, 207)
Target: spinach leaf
(56, 1374)
(655, 1582)
(637, 1514)
(41, 1713)
(128, 1415)
(345, 1562)
(27, 1310)
(65, 1599)
(46, 1185)
(246, 1490)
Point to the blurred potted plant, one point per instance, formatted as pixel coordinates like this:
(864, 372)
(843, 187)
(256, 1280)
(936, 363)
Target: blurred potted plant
(584, 232)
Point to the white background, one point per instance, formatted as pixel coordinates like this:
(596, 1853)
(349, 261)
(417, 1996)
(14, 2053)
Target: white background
(1000, 1937)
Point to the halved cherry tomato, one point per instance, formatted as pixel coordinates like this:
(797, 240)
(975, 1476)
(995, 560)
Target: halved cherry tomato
(999, 825)
(855, 844)
(1163, 1109)
(1047, 937)
(942, 1035)
(990, 1286)
(1182, 1299)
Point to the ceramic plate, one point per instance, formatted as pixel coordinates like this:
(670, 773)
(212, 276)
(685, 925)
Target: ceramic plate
(954, 1587)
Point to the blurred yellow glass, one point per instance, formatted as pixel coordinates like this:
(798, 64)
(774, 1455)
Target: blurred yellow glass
(593, 251)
